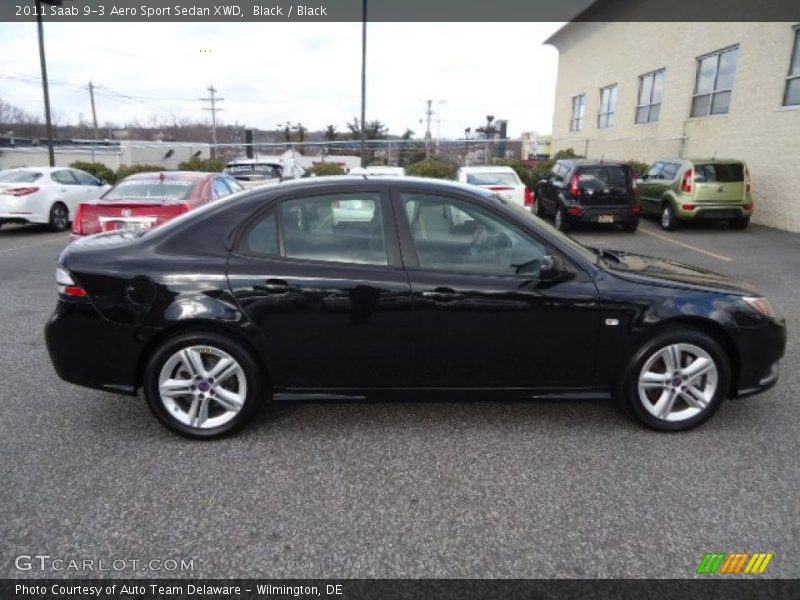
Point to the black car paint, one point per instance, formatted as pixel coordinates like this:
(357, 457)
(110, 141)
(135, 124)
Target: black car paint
(553, 193)
(352, 329)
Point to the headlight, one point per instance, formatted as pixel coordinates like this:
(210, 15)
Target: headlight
(761, 305)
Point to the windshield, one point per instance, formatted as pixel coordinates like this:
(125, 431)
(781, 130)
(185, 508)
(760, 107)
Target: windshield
(526, 214)
(500, 178)
(19, 176)
(254, 171)
(175, 189)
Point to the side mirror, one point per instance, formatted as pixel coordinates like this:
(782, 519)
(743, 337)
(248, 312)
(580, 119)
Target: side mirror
(102, 182)
(643, 177)
(552, 267)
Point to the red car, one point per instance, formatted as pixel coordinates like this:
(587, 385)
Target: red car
(145, 200)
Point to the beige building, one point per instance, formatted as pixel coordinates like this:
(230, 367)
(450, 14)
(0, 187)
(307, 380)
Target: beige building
(636, 90)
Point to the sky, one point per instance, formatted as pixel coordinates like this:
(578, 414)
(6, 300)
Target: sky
(270, 73)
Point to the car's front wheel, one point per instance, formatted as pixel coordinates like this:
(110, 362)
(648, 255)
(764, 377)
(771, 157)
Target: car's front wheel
(202, 385)
(676, 380)
(537, 205)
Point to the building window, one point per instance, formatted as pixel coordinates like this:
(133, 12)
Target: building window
(651, 90)
(578, 108)
(714, 84)
(792, 95)
(608, 106)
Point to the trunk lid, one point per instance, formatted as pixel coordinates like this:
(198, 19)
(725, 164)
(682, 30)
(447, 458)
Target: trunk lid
(719, 182)
(96, 217)
(608, 185)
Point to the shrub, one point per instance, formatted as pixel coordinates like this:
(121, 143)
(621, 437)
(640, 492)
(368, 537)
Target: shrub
(209, 165)
(99, 170)
(435, 169)
(324, 168)
(126, 170)
(639, 167)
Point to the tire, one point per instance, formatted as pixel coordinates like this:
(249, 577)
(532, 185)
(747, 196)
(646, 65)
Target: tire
(537, 206)
(631, 225)
(59, 217)
(649, 384)
(560, 219)
(739, 224)
(229, 402)
(669, 222)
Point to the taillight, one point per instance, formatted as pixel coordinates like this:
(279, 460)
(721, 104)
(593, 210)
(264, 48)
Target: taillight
(66, 284)
(687, 206)
(574, 190)
(687, 181)
(574, 210)
(748, 206)
(77, 221)
(636, 209)
(747, 181)
(528, 196)
(21, 191)
(499, 188)
(184, 207)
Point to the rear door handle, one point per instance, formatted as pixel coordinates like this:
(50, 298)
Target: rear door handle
(275, 286)
(442, 294)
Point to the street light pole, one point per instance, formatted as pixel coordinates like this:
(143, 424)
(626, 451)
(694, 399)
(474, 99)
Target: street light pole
(45, 86)
(364, 84)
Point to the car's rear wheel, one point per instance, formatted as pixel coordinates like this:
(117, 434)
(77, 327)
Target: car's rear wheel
(739, 223)
(676, 380)
(202, 385)
(631, 225)
(560, 219)
(669, 222)
(59, 217)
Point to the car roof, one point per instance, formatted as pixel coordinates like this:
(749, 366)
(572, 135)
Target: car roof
(594, 162)
(40, 169)
(714, 161)
(178, 175)
(487, 169)
(372, 180)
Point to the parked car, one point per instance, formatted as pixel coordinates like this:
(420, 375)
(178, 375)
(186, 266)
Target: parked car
(46, 194)
(697, 189)
(145, 200)
(589, 191)
(504, 181)
(252, 172)
(220, 308)
(378, 170)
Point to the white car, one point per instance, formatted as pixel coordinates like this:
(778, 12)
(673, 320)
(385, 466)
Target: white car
(378, 170)
(504, 181)
(49, 195)
(252, 173)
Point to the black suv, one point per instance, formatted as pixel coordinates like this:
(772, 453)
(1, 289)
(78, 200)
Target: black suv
(590, 192)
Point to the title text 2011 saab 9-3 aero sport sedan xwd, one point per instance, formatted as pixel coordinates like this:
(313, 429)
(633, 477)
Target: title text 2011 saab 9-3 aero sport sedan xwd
(443, 287)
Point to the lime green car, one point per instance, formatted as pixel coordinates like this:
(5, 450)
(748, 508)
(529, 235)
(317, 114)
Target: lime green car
(683, 190)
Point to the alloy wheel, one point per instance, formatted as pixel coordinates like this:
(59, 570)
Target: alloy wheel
(59, 218)
(202, 387)
(677, 382)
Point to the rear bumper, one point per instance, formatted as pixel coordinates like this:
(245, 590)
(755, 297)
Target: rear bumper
(78, 339)
(600, 214)
(714, 212)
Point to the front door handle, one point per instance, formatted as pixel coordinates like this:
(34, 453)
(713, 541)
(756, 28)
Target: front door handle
(442, 294)
(275, 286)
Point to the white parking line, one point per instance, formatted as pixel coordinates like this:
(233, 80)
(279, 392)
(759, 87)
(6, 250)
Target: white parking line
(51, 241)
(684, 245)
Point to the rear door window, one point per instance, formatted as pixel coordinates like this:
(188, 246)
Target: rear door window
(719, 173)
(63, 177)
(669, 171)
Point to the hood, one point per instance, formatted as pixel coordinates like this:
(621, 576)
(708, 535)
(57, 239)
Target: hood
(672, 273)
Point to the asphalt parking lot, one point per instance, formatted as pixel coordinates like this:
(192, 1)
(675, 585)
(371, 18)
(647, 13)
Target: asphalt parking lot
(400, 489)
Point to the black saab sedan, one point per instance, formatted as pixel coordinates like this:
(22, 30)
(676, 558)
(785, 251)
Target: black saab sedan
(353, 286)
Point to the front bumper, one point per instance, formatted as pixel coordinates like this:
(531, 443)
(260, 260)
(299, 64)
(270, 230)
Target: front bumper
(760, 350)
(79, 340)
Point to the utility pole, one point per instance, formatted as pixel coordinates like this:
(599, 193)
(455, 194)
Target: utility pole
(45, 86)
(428, 115)
(214, 110)
(364, 84)
(94, 116)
